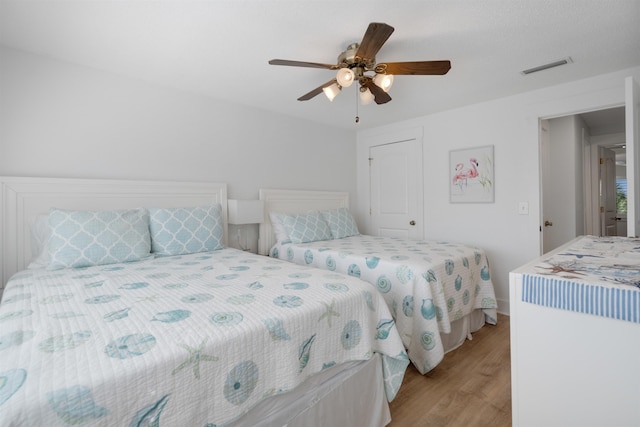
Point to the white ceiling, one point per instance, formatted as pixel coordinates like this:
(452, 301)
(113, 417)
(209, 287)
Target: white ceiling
(603, 122)
(221, 48)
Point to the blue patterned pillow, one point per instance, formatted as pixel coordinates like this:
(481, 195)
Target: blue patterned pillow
(309, 227)
(86, 238)
(341, 223)
(179, 231)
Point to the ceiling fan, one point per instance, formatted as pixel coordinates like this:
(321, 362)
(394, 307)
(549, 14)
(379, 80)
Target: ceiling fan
(359, 59)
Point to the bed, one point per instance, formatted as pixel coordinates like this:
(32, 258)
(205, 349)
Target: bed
(438, 292)
(575, 325)
(174, 331)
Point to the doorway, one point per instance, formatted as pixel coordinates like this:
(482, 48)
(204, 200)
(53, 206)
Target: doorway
(582, 157)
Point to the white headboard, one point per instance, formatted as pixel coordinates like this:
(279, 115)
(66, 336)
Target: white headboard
(25, 198)
(293, 202)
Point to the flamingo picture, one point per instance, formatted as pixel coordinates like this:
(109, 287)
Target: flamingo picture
(471, 175)
(462, 175)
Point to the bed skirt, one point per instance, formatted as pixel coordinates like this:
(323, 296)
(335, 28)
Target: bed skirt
(462, 329)
(356, 388)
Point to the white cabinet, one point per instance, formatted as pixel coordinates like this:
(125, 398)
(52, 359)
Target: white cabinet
(573, 368)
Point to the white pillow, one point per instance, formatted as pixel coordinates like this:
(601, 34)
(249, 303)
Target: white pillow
(278, 228)
(40, 233)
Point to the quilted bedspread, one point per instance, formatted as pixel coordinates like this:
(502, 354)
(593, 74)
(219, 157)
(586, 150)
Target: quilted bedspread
(192, 340)
(426, 284)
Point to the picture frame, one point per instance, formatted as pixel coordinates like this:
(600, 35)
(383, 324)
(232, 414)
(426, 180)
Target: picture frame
(471, 175)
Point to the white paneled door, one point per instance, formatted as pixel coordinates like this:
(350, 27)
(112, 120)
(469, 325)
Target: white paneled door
(558, 211)
(395, 170)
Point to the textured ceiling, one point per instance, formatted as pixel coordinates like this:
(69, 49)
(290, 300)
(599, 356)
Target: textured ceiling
(221, 48)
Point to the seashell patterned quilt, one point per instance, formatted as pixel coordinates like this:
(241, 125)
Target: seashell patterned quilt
(196, 339)
(427, 285)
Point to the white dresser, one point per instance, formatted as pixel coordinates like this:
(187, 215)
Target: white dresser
(575, 335)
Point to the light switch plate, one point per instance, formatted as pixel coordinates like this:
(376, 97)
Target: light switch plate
(523, 208)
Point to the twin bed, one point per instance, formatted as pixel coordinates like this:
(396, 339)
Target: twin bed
(171, 327)
(438, 292)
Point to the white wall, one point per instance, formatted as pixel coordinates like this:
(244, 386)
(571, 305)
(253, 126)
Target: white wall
(511, 125)
(62, 120)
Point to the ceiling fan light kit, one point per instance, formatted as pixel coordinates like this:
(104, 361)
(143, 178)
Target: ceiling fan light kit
(366, 97)
(359, 59)
(332, 91)
(384, 81)
(345, 77)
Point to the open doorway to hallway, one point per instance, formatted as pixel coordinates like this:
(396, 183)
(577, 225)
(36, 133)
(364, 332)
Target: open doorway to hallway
(583, 176)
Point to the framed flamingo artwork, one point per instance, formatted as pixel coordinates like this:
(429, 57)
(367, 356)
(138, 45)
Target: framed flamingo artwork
(471, 175)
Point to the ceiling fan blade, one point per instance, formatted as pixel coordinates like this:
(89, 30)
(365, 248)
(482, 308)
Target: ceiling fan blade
(316, 91)
(379, 95)
(414, 68)
(376, 35)
(302, 64)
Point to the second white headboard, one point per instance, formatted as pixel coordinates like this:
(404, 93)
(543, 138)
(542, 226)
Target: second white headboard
(293, 202)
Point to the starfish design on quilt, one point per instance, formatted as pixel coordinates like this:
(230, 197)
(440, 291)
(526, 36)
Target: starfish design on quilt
(329, 312)
(560, 270)
(196, 356)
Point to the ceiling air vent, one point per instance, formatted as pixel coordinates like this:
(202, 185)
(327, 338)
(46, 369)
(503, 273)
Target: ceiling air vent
(564, 61)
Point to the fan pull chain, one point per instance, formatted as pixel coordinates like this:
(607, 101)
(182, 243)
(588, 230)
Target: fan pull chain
(357, 115)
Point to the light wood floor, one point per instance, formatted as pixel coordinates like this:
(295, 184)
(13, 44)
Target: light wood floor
(470, 387)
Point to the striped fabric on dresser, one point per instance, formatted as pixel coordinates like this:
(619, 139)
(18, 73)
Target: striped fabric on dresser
(593, 275)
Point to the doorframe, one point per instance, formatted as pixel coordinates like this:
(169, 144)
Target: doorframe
(543, 142)
(632, 139)
(590, 187)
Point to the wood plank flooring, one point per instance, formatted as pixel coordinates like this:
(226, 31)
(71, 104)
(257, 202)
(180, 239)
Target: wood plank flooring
(470, 387)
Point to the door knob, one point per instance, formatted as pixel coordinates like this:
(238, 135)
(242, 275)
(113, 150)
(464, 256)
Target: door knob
(548, 223)
(412, 222)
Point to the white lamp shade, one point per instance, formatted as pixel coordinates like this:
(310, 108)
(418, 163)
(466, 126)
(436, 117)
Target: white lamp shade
(331, 91)
(366, 97)
(345, 77)
(245, 211)
(383, 81)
